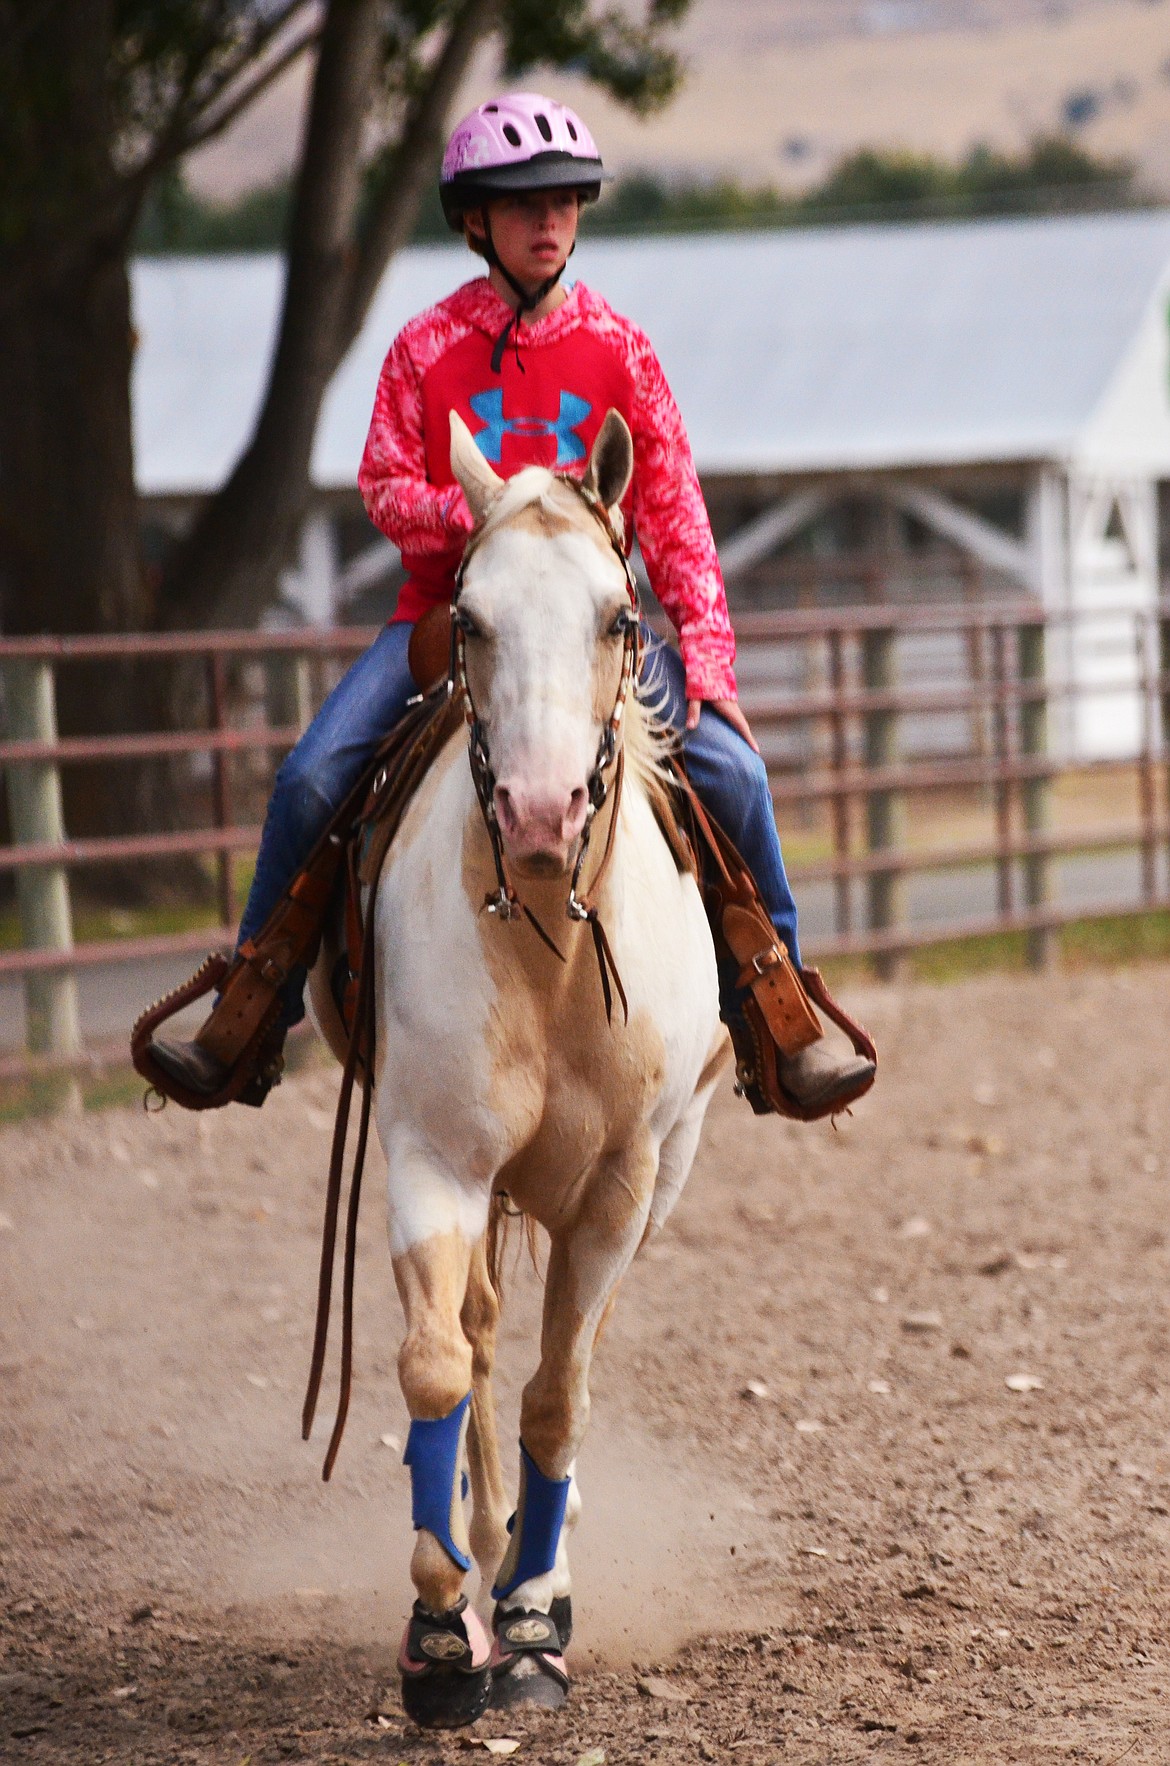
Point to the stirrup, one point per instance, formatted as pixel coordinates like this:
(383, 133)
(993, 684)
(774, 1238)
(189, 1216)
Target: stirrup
(759, 1057)
(194, 1068)
(247, 1077)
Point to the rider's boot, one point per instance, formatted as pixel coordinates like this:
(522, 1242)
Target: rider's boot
(191, 1063)
(818, 1077)
(205, 1065)
(237, 1054)
(782, 1060)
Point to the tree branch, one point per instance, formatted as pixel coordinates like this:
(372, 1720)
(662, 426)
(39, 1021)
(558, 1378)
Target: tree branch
(215, 125)
(180, 131)
(389, 226)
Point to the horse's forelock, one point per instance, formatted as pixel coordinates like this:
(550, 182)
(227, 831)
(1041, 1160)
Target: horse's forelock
(537, 489)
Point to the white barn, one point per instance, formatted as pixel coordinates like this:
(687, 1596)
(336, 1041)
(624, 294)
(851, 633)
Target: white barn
(1001, 385)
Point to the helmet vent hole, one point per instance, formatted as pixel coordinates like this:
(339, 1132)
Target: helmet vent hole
(490, 109)
(512, 134)
(569, 124)
(544, 125)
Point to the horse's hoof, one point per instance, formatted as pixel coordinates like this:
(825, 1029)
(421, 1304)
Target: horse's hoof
(528, 1684)
(446, 1701)
(445, 1665)
(528, 1667)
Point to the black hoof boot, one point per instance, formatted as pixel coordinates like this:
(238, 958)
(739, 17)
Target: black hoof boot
(561, 1614)
(528, 1665)
(445, 1665)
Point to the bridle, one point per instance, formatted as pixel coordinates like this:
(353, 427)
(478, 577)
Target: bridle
(503, 902)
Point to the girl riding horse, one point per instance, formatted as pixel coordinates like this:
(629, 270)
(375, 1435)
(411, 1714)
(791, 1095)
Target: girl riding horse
(532, 363)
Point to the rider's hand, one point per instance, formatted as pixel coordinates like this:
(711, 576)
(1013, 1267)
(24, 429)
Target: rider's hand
(729, 709)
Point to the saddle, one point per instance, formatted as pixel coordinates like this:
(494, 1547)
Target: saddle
(774, 1003)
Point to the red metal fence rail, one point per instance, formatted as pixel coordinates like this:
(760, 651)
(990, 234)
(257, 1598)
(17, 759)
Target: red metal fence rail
(859, 717)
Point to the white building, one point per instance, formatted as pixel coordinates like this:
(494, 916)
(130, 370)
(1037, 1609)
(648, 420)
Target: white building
(1004, 385)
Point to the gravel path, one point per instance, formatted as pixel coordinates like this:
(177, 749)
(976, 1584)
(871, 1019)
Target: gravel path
(885, 1550)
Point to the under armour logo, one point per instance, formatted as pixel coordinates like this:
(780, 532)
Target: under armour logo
(489, 407)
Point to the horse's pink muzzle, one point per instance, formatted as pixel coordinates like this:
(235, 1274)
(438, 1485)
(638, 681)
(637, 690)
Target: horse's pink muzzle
(540, 824)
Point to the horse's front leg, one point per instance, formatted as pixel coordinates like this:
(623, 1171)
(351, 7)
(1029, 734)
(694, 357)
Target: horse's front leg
(587, 1260)
(435, 1224)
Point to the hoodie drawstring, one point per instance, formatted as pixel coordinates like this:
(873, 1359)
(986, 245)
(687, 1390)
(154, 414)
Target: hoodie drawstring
(528, 299)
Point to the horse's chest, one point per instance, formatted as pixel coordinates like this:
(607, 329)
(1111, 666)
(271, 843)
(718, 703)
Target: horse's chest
(569, 1093)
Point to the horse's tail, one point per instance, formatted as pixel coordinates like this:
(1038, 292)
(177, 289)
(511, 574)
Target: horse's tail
(501, 1215)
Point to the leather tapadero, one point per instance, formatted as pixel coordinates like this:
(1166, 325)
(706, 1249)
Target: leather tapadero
(767, 969)
(237, 1031)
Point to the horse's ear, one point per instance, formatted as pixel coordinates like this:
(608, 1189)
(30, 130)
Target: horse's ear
(611, 464)
(480, 484)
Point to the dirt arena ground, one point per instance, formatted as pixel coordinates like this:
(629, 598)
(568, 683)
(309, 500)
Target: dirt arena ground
(933, 1528)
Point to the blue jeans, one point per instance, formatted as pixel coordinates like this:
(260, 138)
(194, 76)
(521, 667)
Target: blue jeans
(370, 698)
(316, 776)
(730, 780)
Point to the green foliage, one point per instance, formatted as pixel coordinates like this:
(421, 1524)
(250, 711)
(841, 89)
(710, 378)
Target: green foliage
(163, 49)
(1053, 176)
(101, 101)
(626, 57)
(1115, 940)
(1106, 942)
(644, 203)
(174, 219)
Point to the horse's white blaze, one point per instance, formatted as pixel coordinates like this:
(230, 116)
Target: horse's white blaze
(496, 1067)
(534, 679)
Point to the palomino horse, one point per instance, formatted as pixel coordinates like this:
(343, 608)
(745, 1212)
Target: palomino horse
(500, 1074)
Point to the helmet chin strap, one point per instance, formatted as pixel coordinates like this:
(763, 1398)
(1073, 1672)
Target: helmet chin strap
(528, 298)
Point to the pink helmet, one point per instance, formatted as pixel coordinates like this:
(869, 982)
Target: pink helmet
(518, 142)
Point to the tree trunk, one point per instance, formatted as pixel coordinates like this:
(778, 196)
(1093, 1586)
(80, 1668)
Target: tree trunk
(226, 572)
(69, 559)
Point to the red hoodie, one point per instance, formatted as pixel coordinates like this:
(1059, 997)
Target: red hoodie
(543, 409)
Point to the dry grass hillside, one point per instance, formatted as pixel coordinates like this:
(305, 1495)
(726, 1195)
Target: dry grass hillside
(779, 89)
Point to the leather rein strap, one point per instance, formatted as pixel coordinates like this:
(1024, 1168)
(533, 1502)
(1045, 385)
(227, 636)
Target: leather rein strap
(390, 791)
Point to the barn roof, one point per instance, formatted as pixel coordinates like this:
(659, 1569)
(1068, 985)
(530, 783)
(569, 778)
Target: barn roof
(814, 350)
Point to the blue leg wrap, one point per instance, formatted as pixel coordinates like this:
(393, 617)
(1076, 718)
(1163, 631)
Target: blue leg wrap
(432, 1453)
(535, 1527)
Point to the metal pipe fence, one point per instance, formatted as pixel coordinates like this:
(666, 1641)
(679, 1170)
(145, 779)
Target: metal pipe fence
(990, 740)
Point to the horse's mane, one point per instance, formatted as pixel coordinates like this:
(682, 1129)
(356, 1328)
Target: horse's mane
(648, 744)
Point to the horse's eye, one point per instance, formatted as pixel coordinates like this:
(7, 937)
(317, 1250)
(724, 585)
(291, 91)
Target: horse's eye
(466, 623)
(621, 623)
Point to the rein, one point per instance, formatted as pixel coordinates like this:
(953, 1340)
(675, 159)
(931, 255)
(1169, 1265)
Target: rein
(504, 902)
